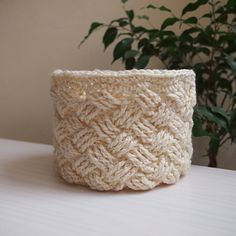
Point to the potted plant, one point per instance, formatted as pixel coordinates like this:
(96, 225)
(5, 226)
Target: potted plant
(206, 44)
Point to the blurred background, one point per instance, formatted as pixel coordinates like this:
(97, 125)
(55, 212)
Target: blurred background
(38, 37)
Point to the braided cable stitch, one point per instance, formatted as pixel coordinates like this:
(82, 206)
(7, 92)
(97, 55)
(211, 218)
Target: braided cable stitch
(117, 130)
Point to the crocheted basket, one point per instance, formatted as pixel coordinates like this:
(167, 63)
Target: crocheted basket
(124, 129)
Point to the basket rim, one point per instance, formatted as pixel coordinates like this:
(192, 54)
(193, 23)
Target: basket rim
(122, 73)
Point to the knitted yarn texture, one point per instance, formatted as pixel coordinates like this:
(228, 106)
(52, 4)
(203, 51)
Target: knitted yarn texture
(117, 130)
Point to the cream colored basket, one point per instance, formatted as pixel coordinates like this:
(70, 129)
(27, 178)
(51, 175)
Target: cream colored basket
(124, 129)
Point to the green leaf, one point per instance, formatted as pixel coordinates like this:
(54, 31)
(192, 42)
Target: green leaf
(168, 43)
(225, 84)
(124, 1)
(207, 15)
(234, 29)
(204, 50)
(130, 14)
(163, 8)
(142, 61)
(206, 112)
(123, 21)
(191, 31)
(148, 49)
(191, 20)
(198, 129)
(109, 36)
(193, 6)
(231, 63)
(120, 49)
(205, 37)
(214, 144)
(231, 3)
(222, 18)
(168, 22)
(233, 125)
(130, 53)
(93, 27)
(126, 34)
(142, 42)
(187, 34)
(129, 63)
(151, 6)
(221, 113)
(153, 34)
(139, 29)
(144, 17)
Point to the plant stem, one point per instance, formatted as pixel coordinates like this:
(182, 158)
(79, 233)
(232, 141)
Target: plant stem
(223, 100)
(212, 158)
(224, 141)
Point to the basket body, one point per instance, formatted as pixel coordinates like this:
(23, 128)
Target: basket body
(125, 129)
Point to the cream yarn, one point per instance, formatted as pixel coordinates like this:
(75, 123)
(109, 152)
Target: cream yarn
(124, 129)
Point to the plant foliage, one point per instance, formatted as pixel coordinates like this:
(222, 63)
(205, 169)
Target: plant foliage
(206, 44)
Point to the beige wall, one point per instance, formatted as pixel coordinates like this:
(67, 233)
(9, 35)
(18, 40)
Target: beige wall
(38, 37)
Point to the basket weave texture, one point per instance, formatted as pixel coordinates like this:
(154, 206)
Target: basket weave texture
(117, 130)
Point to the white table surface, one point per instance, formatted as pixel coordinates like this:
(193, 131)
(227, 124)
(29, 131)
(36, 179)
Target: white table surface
(35, 201)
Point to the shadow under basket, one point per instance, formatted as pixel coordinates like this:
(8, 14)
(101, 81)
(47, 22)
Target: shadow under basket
(117, 130)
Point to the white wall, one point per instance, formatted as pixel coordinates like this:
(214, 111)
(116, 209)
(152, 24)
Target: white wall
(40, 36)
(36, 38)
